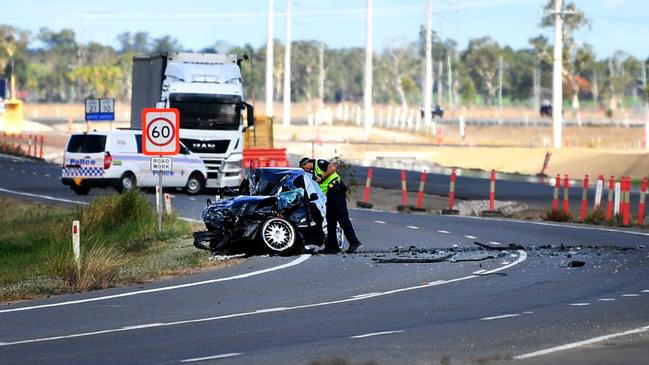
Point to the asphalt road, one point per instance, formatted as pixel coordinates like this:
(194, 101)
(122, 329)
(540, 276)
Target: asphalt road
(478, 306)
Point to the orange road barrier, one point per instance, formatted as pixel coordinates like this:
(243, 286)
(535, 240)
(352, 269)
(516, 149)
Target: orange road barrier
(566, 194)
(451, 196)
(492, 191)
(40, 154)
(584, 200)
(626, 195)
(366, 192)
(555, 199)
(643, 194)
(29, 148)
(420, 193)
(599, 188)
(404, 193)
(609, 208)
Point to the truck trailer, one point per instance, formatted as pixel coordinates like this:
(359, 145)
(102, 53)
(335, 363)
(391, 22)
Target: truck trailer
(207, 89)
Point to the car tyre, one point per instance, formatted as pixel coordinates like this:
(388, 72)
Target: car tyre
(340, 238)
(82, 189)
(195, 184)
(278, 235)
(127, 182)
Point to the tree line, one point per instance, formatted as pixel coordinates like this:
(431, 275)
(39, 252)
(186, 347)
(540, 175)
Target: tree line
(52, 66)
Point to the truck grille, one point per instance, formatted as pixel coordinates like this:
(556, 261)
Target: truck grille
(206, 146)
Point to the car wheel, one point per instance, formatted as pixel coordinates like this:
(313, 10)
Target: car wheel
(340, 238)
(127, 182)
(82, 189)
(195, 184)
(278, 234)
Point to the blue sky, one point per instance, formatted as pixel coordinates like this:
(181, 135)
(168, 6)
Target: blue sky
(616, 24)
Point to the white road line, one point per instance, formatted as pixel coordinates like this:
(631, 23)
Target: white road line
(606, 300)
(500, 317)
(495, 243)
(412, 227)
(192, 199)
(43, 197)
(11, 168)
(579, 304)
(528, 312)
(581, 343)
(470, 237)
(379, 222)
(23, 171)
(630, 295)
(549, 224)
(523, 257)
(645, 291)
(377, 334)
(223, 356)
(295, 262)
(34, 173)
(479, 272)
(47, 175)
(190, 220)
(445, 232)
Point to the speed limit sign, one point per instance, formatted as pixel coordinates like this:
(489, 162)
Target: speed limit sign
(160, 131)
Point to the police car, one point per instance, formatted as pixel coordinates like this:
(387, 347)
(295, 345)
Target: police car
(115, 159)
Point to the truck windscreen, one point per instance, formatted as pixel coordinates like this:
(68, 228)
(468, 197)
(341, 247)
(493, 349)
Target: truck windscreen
(208, 113)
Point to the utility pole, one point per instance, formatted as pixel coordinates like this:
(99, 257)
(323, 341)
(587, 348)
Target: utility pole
(500, 86)
(269, 62)
(321, 80)
(286, 115)
(440, 84)
(536, 82)
(367, 89)
(428, 84)
(557, 75)
(449, 79)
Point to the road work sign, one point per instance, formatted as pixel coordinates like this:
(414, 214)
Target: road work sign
(161, 164)
(160, 131)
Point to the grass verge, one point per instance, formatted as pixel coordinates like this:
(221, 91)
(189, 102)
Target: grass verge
(120, 244)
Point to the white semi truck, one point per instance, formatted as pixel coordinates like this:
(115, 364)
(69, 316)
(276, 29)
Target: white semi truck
(207, 90)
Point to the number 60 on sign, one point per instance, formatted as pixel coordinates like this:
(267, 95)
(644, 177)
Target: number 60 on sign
(160, 131)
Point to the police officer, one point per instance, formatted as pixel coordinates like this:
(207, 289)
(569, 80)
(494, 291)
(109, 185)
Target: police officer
(332, 186)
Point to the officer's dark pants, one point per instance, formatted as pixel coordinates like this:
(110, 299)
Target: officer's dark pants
(337, 213)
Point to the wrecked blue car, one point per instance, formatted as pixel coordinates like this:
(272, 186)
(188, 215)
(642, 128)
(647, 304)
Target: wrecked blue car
(278, 210)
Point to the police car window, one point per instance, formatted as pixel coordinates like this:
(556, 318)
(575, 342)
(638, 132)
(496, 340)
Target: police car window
(138, 142)
(87, 143)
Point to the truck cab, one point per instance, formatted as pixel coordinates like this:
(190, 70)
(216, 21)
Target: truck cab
(208, 92)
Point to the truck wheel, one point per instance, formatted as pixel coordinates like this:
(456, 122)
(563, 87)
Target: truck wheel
(195, 184)
(82, 189)
(278, 234)
(127, 182)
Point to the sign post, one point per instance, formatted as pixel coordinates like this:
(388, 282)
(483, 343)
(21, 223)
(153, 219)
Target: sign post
(161, 137)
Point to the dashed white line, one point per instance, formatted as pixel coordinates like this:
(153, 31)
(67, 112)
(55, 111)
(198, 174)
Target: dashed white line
(412, 227)
(34, 173)
(579, 304)
(470, 237)
(445, 232)
(23, 171)
(499, 317)
(377, 334)
(495, 243)
(630, 295)
(606, 300)
(43, 197)
(379, 222)
(11, 168)
(581, 343)
(192, 198)
(222, 356)
(47, 175)
(528, 312)
(645, 291)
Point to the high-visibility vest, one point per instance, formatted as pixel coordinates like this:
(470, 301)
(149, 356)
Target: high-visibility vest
(325, 184)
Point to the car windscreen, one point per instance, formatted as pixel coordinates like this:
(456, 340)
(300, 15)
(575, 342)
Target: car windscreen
(87, 143)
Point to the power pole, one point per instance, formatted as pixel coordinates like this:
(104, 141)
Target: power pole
(269, 62)
(557, 75)
(367, 89)
(428, 84)
(500, 85)
(286, 115)
(321, 79)
(536, 81)
(440, 84)
(449, 80)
